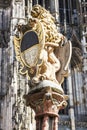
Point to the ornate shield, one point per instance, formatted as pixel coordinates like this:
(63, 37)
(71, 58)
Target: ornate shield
(32, 43)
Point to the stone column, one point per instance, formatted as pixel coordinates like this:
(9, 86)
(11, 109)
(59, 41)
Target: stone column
(46, 98)
(71, 110)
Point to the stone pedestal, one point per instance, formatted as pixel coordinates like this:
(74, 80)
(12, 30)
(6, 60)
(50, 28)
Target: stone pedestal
(46, 98)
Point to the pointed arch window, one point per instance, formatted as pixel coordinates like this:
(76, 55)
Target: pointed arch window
(5, 19)
(66, 10)
(44, 3)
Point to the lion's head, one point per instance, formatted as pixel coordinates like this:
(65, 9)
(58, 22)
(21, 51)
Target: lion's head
(40, 13)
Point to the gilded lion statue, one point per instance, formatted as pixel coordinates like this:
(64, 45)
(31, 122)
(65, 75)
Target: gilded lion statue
(49, 54)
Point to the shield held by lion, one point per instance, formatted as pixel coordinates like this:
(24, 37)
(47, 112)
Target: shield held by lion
(28, 49)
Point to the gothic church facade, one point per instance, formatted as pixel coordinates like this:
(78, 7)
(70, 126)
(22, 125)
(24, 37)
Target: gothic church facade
(71, 20)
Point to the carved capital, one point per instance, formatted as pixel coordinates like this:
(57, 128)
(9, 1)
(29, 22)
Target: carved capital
(46, 98)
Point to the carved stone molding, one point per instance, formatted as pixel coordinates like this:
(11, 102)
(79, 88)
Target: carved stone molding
(46, 100)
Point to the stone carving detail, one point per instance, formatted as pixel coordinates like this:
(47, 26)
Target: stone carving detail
(48, 56)
(44, 55)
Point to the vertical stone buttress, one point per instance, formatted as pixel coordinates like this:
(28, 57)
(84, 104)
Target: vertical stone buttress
(13, 113)
(22, 116)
